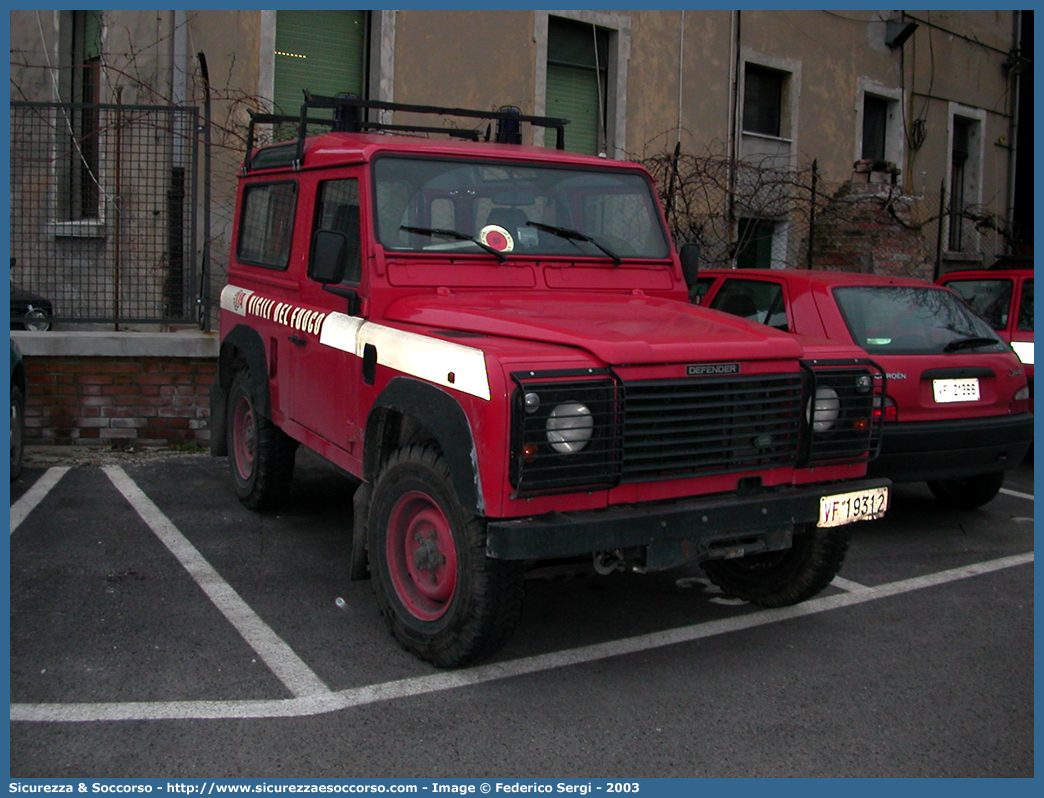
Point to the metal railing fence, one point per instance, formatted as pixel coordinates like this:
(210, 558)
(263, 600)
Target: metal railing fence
(105, 210)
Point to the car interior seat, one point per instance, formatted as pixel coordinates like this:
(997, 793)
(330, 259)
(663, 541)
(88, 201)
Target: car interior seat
(739, 305)
(511, 219)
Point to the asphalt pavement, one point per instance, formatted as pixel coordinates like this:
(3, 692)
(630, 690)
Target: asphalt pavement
(160, 629)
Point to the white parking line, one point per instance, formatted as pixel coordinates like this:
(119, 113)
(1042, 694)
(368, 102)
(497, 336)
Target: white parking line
(438, 682)
(1016, 493)
(32, 497)
(280, 658)
(848, 584)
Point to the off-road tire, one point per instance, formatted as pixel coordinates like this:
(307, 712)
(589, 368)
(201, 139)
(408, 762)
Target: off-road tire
(967, 493)
(17, 431)
(442, 598)
(782, 578)
(260, 455)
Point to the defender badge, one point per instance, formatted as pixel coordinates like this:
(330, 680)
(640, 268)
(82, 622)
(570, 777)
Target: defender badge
(711, 369)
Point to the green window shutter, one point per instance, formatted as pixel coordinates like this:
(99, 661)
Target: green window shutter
(91, 35)
(576, 80)
(755, 244)
(573, 94)
(322, 51)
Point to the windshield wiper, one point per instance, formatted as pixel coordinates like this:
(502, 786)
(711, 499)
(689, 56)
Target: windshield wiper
(456, 235)
(967, 343)
(575, 235)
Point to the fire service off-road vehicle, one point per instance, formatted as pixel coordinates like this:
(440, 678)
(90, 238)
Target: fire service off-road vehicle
(496, 341)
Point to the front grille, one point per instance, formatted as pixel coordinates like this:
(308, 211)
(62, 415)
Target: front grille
(696, 427)
(854, 434)
(650, 430)
(536, 466)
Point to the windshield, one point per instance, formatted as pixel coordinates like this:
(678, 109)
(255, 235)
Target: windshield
(913, 320)
(459, 206)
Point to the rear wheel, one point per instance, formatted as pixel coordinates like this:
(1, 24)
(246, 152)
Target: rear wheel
(969, 492)
(443, 599)
(261, 455)
(781, 578)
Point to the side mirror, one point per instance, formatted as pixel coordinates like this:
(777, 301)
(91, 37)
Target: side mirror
(329, 257)
(690, 263)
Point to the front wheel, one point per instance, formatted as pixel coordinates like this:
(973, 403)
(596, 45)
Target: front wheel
(782, 578)
(261, 455)
(967, 493)
(443, 599)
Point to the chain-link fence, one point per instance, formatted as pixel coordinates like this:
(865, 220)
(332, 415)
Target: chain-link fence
(104, 212)
(759, 215)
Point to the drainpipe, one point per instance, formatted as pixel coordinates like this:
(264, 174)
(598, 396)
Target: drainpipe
(1013, 125)
(175, 292)
(180, 59)
(681, 73)
(732, 144)
(730, 138)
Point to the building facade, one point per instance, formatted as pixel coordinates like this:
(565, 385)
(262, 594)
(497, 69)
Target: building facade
(768, 111)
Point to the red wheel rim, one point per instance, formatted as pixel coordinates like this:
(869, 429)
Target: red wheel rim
(244, 437)
(422, 557)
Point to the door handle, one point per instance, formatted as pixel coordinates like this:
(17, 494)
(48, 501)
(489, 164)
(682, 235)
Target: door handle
(297, 339)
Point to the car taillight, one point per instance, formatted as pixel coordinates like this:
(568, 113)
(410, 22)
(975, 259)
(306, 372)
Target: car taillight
(889, 410)
(1020, 402)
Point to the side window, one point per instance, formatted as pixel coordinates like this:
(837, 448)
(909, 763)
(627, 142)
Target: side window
(266, 225)
(338, 211)
(990, 298)
(755, 300)
(1026, 307)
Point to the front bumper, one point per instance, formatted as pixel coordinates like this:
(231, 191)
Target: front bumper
(930, 450)
(687, 530)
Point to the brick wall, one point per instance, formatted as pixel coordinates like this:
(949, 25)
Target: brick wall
(145, 400)
(868, 227)
(117, 389)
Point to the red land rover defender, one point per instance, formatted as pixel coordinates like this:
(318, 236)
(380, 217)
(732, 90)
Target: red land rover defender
(495, 339)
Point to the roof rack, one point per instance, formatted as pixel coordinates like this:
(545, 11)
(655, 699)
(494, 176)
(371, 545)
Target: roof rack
(347, 117)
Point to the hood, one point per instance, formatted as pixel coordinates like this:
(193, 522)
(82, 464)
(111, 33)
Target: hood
(617, 329)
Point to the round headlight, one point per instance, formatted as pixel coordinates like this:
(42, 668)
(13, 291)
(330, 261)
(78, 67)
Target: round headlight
(826, 409)
(569, 427)
(37, 320)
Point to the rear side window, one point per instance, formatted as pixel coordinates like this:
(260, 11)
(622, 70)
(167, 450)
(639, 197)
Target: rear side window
(913, 320)
(758, 300)
(266, 225)
(1026, 307)
(990, 298)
